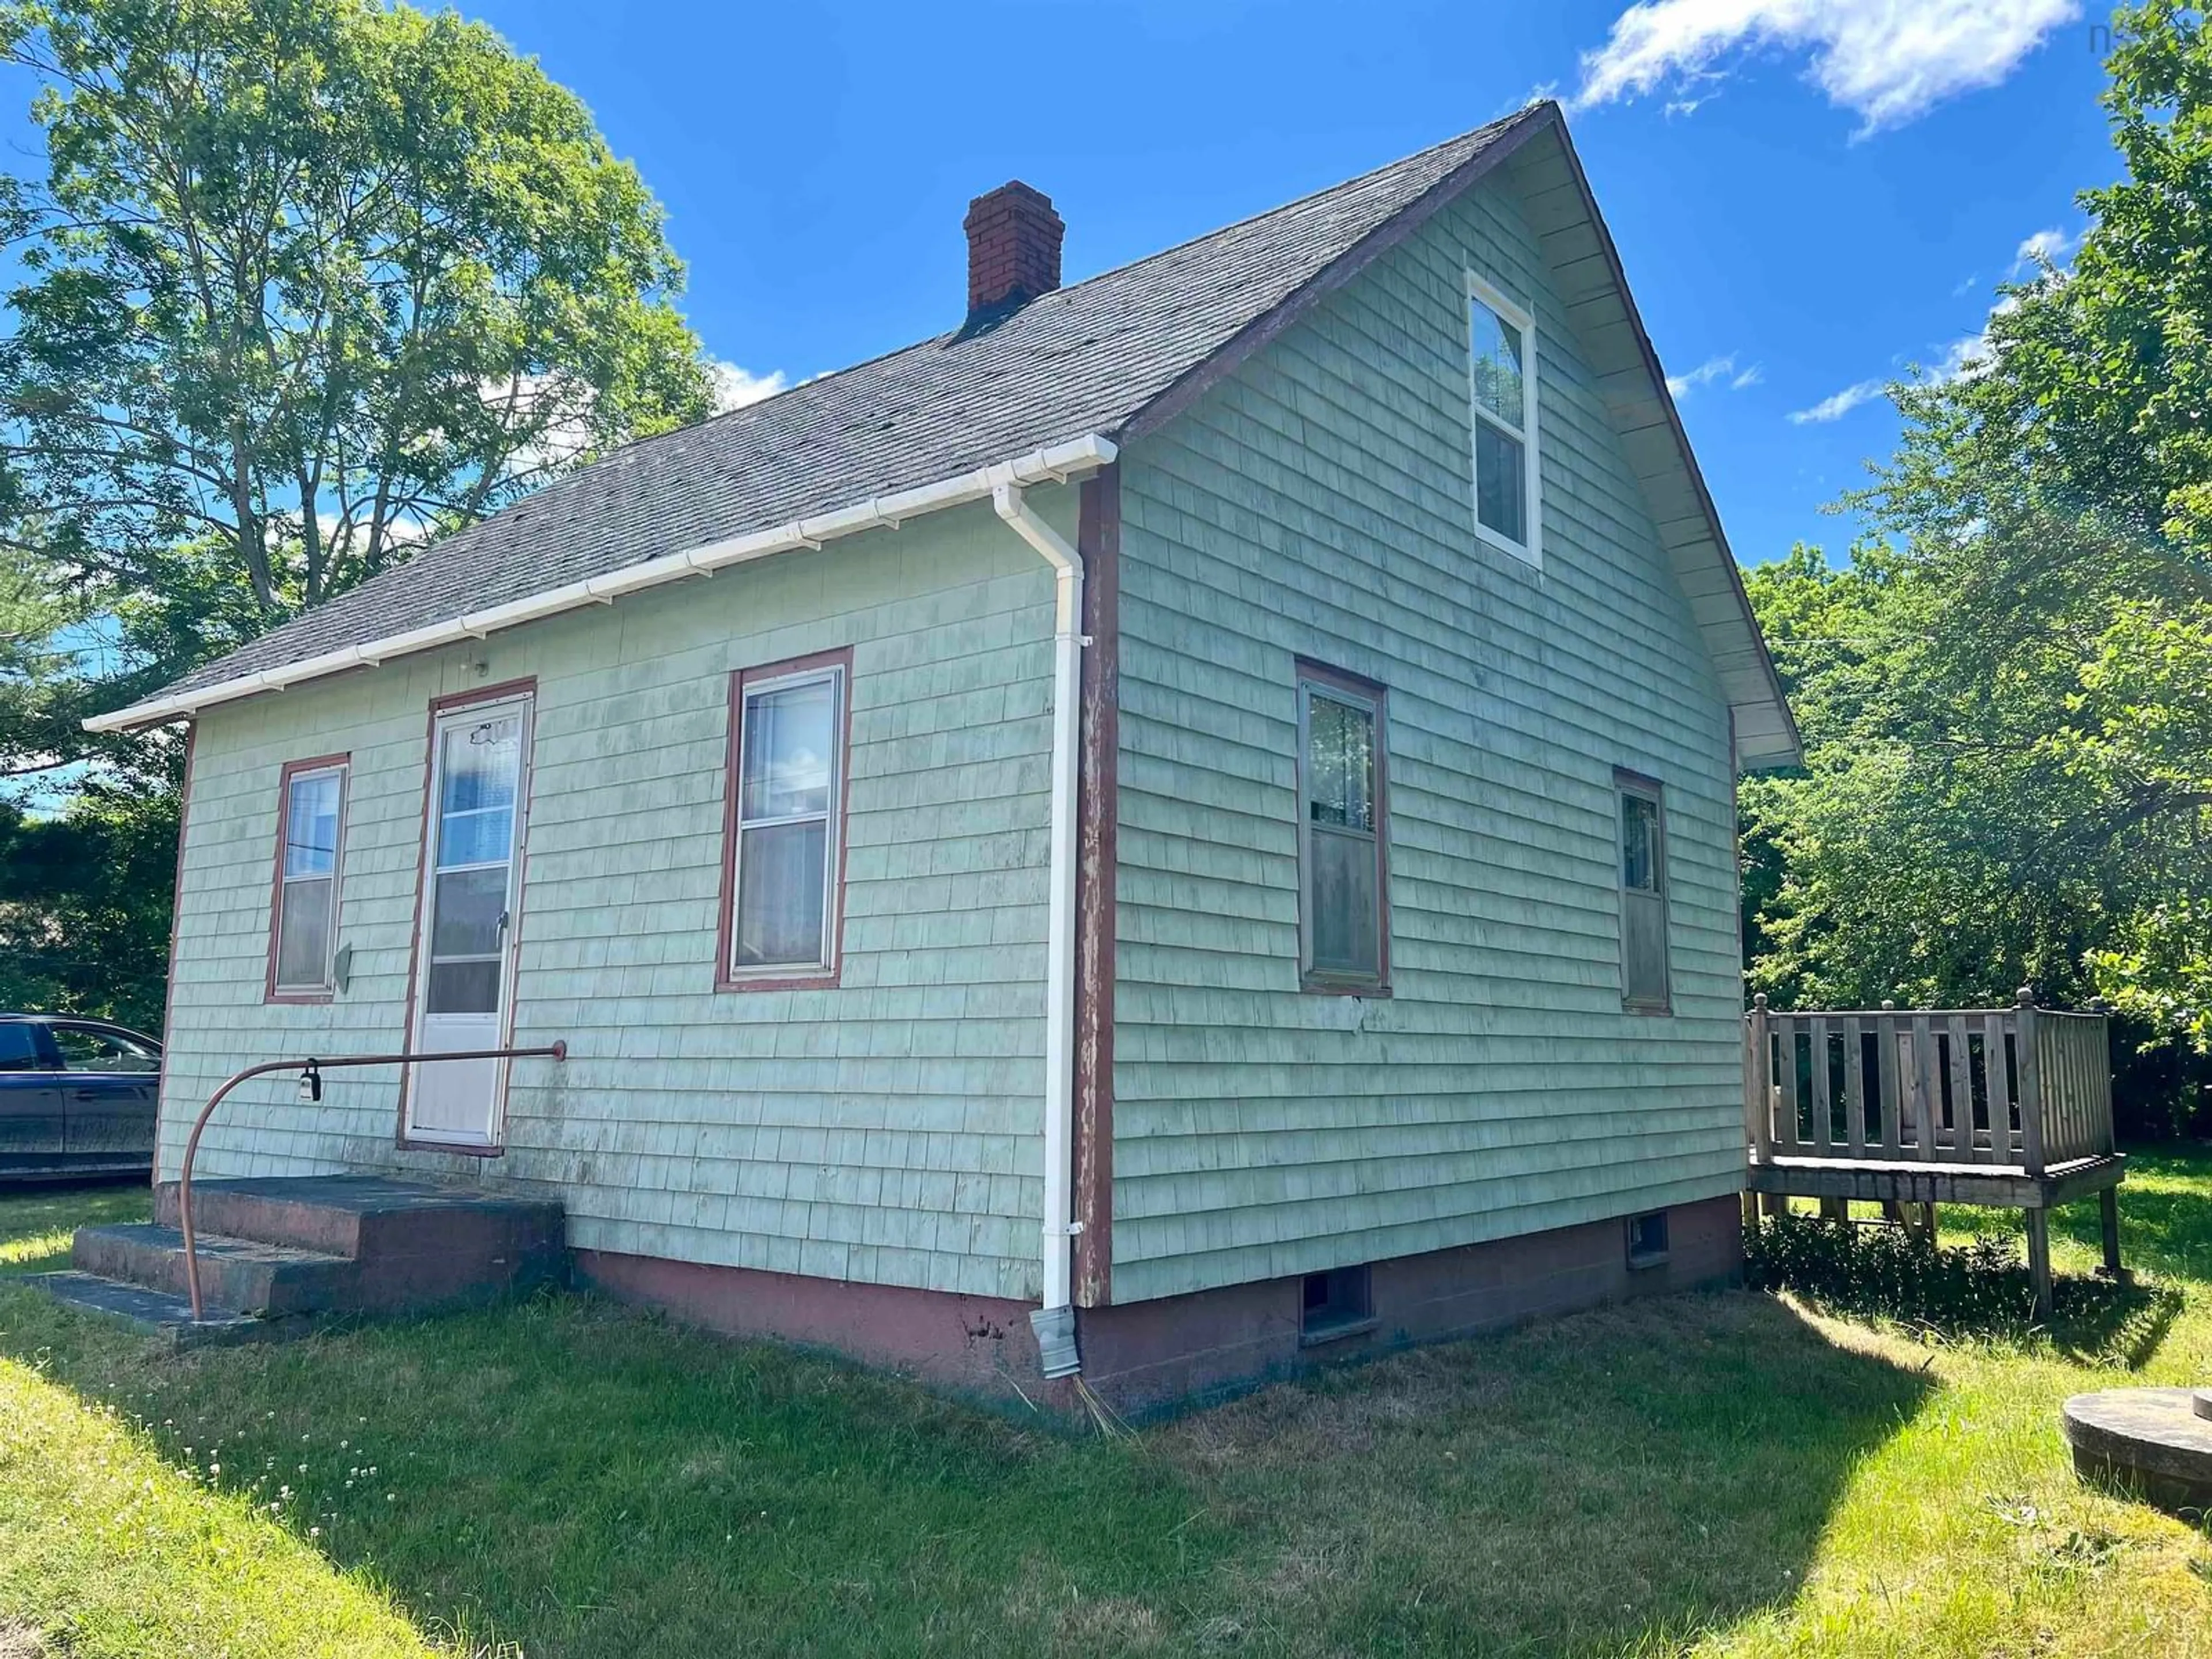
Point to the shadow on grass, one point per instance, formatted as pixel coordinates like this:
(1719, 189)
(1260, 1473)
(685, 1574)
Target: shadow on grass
(1621, 1479)
(582, 1479)
(1978, 1290)
(579, 1478)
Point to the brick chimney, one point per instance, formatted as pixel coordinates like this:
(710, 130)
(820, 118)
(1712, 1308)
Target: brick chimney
(1013, 249)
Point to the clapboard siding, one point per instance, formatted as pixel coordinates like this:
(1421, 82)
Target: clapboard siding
(1317, 502)
(883, 1130)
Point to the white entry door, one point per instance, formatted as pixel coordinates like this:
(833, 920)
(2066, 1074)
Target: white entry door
(464, 941)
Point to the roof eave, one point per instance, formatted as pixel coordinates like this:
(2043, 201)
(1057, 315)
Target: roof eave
(1056, 462)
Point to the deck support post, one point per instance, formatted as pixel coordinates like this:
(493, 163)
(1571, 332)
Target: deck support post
(2038, 1258)
(1835, 1209)
(1927, 1221)
(2108, 1203)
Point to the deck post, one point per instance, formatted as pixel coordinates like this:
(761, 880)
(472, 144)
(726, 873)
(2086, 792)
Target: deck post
(2108, 1203)
(2031, 1083)
(2038, 1258)
(1759, 1084)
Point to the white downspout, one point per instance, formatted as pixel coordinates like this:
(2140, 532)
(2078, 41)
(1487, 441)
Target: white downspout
(1054, 1322)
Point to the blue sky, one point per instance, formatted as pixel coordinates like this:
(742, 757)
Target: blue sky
(1854, 179)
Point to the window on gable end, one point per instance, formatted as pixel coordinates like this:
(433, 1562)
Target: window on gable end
(1502, 364)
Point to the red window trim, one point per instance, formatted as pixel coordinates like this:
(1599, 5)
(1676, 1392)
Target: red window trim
(725, 927)
(270, 991)
(526, 686)
(1377, 693)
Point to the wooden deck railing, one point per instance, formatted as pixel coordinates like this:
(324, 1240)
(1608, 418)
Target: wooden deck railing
(2023, 1087)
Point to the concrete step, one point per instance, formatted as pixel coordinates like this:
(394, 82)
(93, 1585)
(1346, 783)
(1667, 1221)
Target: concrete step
(361, 1215)
(245, 1274)
(159, 1315)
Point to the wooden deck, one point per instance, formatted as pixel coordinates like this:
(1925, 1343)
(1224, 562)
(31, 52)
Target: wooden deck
(2007, 1107)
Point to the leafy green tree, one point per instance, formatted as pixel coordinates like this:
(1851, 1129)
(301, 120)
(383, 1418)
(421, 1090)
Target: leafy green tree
(2006, 692)
(85, 903)
(2010, 738)
(310, 281)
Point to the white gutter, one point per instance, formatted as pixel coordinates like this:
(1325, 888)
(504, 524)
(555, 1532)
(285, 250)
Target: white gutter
(1054, 1322)
(1054, 463)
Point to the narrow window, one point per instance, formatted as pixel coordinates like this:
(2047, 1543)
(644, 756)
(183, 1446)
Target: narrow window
(1343, 861)
(1501, 345)
(304, 918)
(788, 793)
(1642, 895)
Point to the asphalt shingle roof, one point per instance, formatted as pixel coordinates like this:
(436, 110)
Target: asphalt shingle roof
(1084, 359)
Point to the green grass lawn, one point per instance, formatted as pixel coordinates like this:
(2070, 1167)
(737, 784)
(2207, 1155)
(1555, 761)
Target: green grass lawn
(1721, 1474)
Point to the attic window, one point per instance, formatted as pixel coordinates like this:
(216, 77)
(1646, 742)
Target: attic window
(1502, 355)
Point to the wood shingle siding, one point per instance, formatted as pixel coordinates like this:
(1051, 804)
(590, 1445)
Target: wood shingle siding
(1318, 503)
(885, 1130)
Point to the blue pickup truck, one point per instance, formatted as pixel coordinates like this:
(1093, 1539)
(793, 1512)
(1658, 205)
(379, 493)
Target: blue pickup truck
(77, 1097)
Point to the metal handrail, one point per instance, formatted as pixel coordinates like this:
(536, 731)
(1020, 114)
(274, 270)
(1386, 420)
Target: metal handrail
(311, 1068)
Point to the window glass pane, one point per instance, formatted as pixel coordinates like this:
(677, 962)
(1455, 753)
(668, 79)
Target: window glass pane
(303, 934)
(466, 913)
(96, 1051)
(1643, 946)
(19, 1050)
(1501, 491)
(1498, 364)
(787, 750)
(1640, 843)
(311, 825)
(475, 838)
(1339, 764)
(463, 988)
(1347, 918)
(479, 767)
(781, 881)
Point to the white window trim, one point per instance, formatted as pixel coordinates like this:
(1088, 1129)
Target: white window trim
(1532, 470)
(833, 675)
(343, 770)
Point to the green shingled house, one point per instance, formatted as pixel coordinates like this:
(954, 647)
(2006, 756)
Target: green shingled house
(1182, 826)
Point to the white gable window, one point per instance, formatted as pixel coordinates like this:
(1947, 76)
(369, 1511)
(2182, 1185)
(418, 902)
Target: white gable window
(781, 903)
(1502, 351)
(304, 915)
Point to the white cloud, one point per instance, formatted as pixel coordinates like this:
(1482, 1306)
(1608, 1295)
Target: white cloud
(1838, 405)
(2045, 247)
(735, 387)
(1963, 359)
(1888, 61)
(1974, 354)
(1712, 369)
